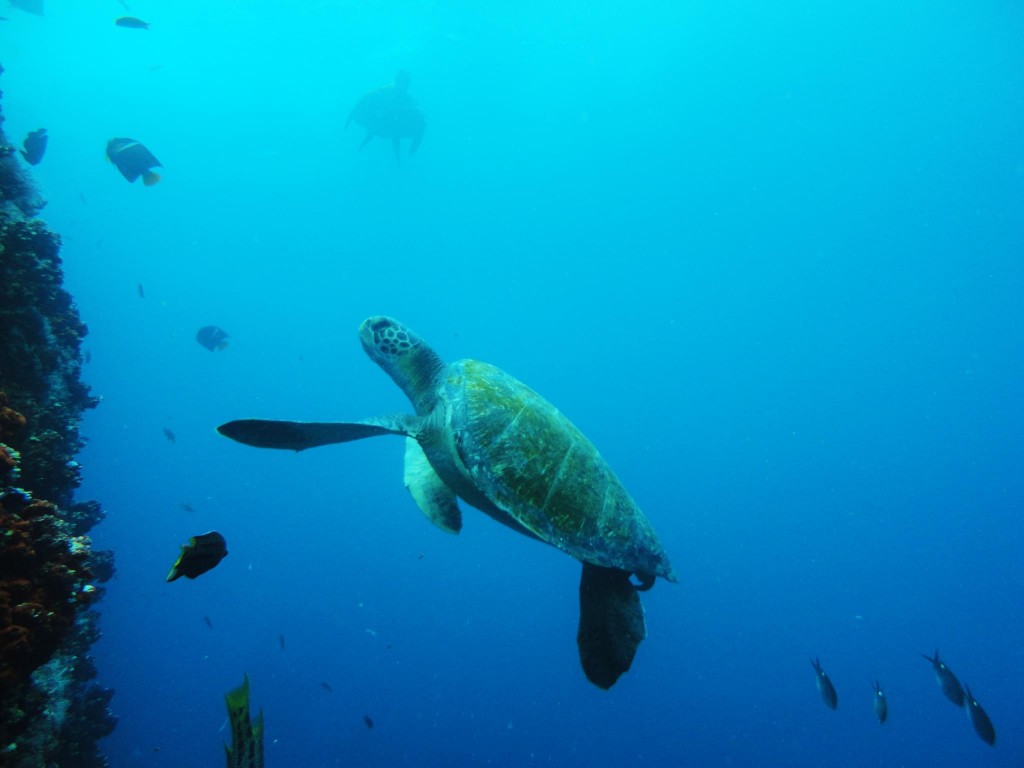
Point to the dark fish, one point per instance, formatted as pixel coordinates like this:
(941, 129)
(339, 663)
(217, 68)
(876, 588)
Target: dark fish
(30, 6)
(141, 290)
(246, 750)
(88, 356)
(207, 622)
(825, 687)
(133, 160)
(327, 687)
(35, 146)
(81, 196)
(198, 555)
(369, 721)
(186, 506)
(125, 5)
(169, 435)
(131, 23)
(881, 705)
(212, 337)
(946, 680)
(280, 640)
(982, 725)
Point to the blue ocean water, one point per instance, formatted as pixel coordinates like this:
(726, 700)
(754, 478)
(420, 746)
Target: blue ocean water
(766, 256)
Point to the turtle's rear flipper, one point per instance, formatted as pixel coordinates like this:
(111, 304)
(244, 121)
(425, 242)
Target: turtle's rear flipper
(415, 143)
(299, 435)
(611, 624)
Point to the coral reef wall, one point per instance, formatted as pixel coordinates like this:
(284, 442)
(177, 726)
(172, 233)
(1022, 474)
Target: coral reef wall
(52, 712)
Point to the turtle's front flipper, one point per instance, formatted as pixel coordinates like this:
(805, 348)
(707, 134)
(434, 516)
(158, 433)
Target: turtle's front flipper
(367, 139)
(299, 435)
(611, 624)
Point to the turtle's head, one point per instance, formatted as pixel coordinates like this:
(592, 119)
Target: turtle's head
(384, 338)
(413, 365)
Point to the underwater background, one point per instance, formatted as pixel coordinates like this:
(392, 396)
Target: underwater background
(767, 258)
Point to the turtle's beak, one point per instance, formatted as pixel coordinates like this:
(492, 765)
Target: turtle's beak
(366, 331)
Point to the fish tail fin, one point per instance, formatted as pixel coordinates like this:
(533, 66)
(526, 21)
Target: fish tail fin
(175, 569)
(246, 735)
(149, 178)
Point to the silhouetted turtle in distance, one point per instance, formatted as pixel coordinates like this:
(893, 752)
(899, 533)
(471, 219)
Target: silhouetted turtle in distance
(480, 435)
(391, 113)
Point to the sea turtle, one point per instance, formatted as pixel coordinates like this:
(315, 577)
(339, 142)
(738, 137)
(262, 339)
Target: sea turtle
(391, 113)
(480, 435)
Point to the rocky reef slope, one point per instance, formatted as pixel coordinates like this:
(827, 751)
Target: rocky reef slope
(52, 712)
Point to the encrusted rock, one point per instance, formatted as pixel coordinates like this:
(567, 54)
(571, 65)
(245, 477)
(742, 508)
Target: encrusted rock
(51, 710)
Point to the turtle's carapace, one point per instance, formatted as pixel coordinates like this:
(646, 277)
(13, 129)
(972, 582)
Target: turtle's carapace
(130, 22)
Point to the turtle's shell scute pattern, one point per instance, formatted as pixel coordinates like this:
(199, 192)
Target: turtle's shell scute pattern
(534, 464)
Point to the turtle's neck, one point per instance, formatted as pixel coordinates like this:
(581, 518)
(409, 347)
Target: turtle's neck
(410, 361)
(417, 372)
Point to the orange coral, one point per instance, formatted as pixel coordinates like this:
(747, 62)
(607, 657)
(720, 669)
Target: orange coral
(8, 461)
(41, 581)
(12, 423)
